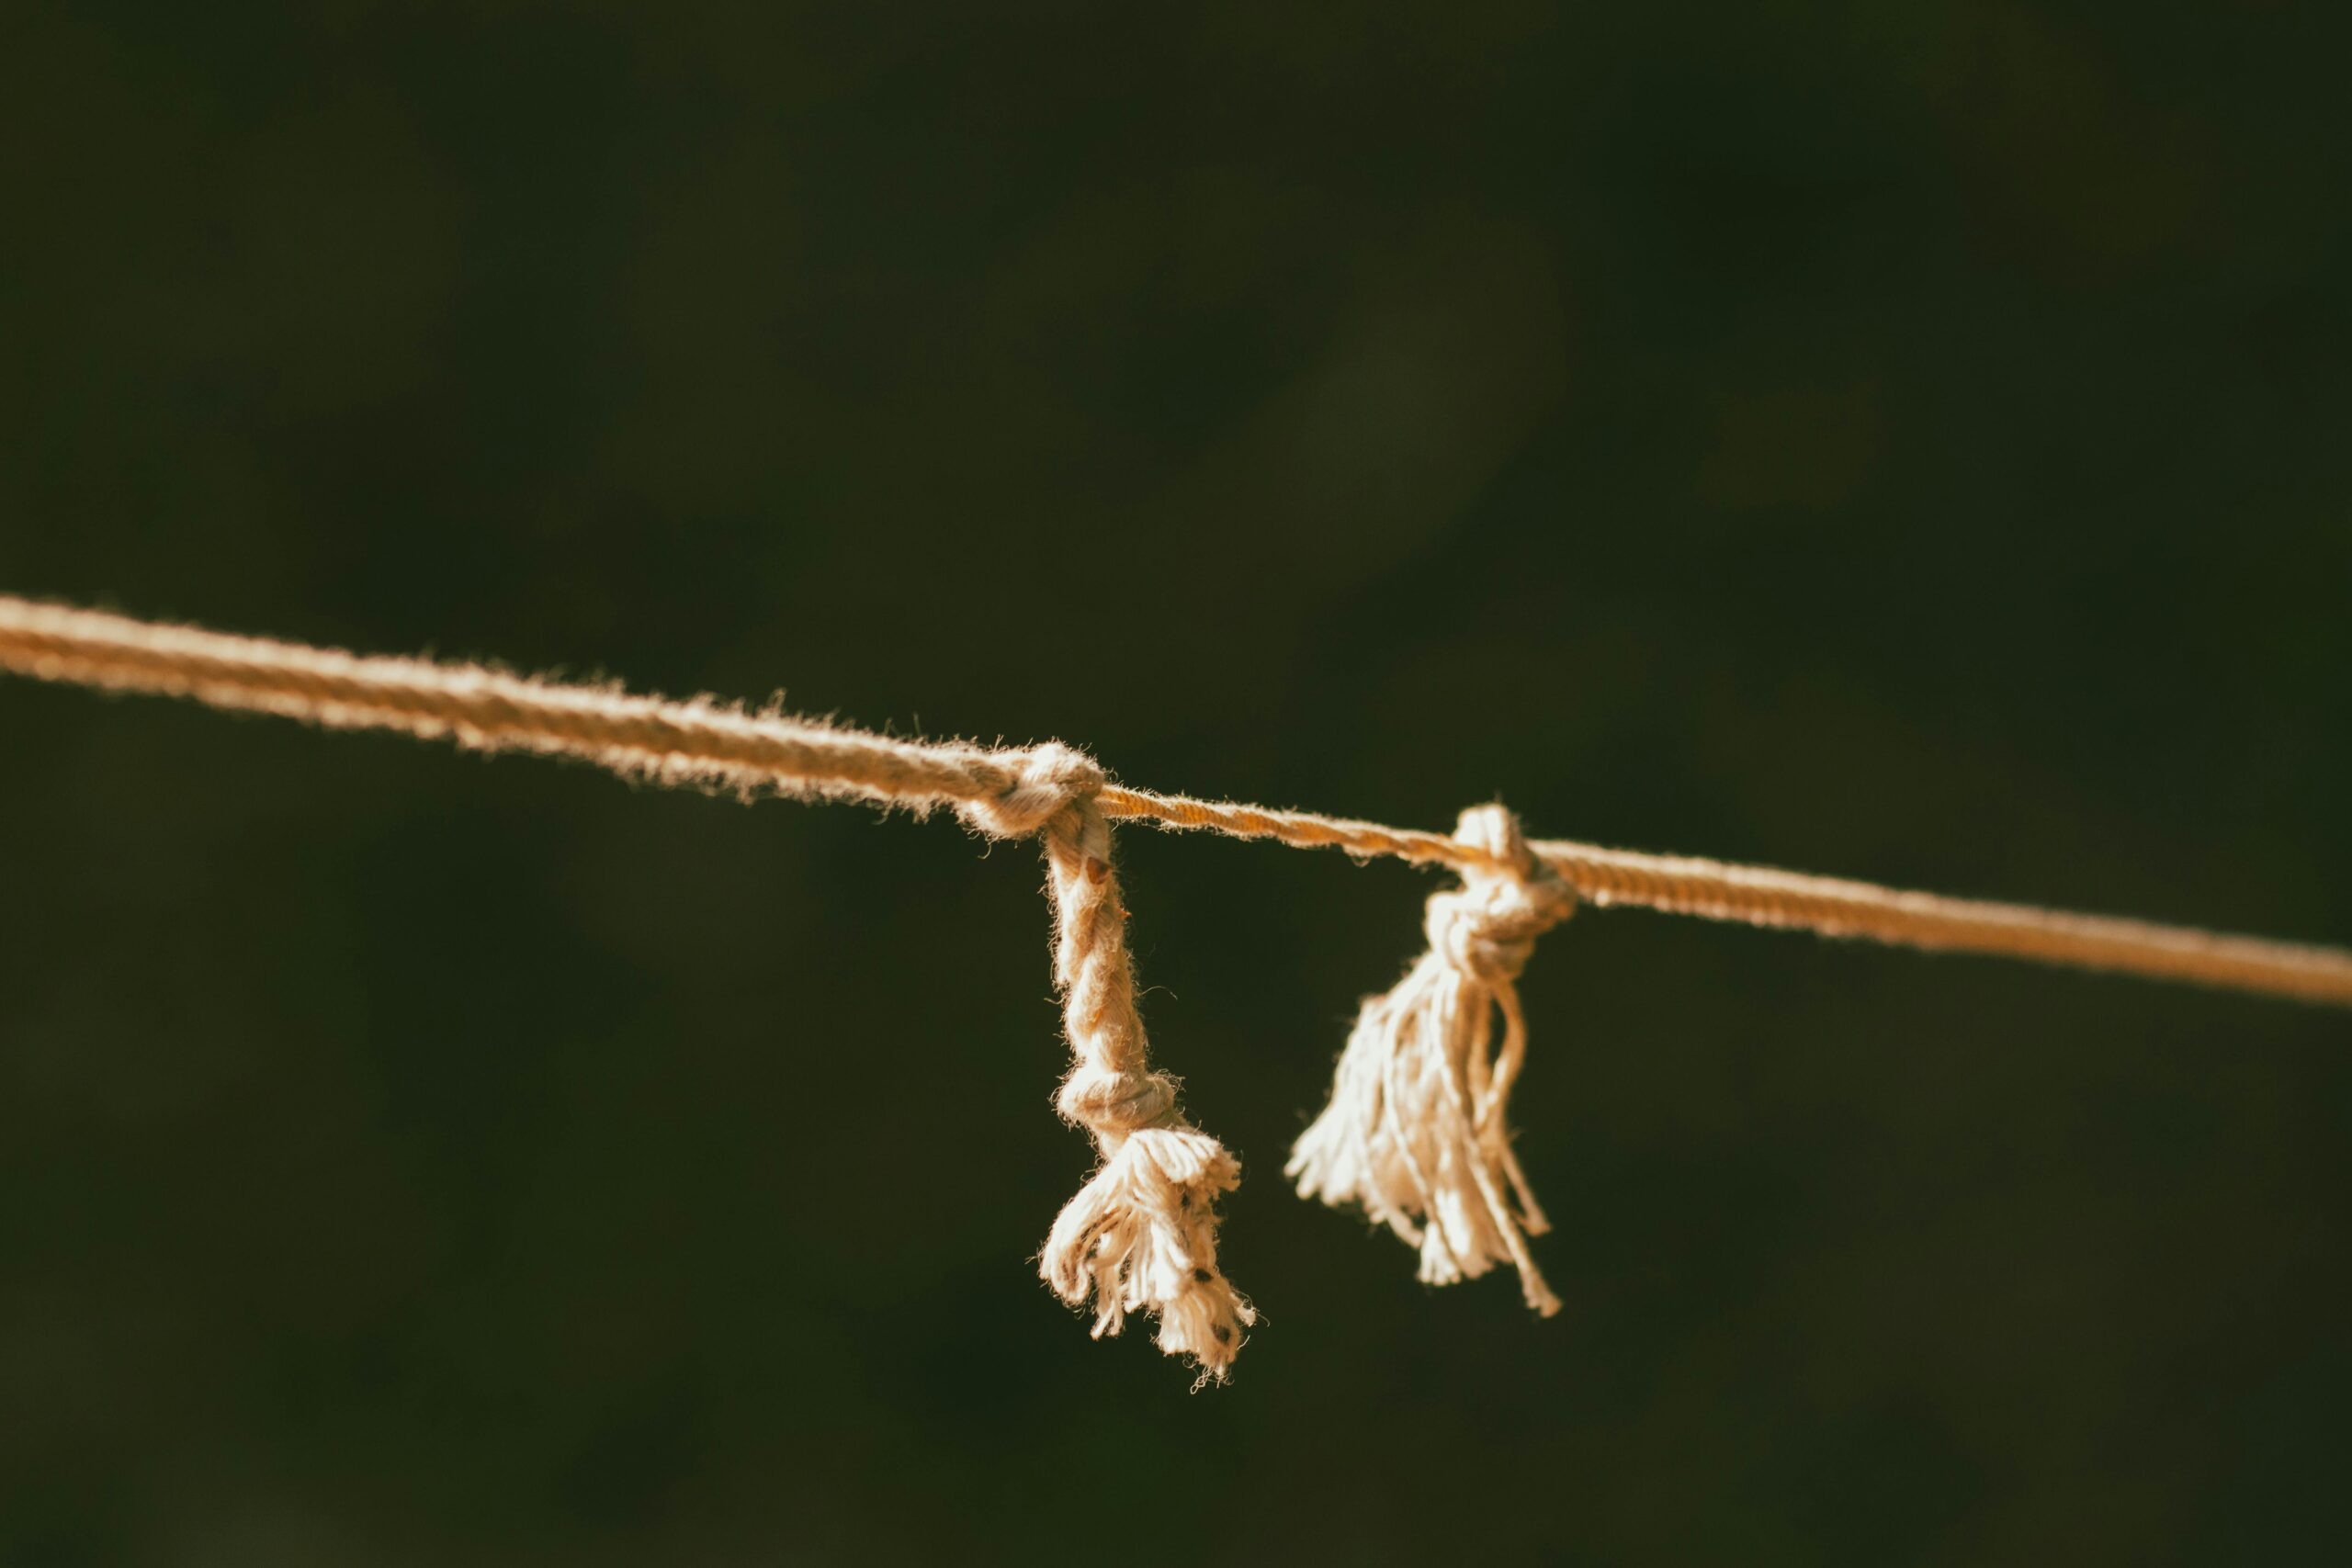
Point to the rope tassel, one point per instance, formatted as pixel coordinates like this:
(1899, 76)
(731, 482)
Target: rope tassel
(1141, 1234)
(1416, 1130)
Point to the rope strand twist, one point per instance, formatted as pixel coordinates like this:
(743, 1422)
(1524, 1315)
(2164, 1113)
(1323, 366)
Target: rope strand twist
(1141, 1234)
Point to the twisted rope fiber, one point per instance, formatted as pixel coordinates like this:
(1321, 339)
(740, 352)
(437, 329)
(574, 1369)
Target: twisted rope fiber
(710, 743)
(1142, 1232)
(1416, 1131)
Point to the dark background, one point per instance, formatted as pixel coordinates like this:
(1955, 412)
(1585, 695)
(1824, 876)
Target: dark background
(1903, 441)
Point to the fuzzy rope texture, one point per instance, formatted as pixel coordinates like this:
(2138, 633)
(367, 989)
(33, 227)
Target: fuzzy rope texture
(1416, 1133)
(710, 743)
(1142, 1233)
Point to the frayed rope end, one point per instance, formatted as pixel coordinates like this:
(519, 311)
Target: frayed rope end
(1142, 1235)
(1416, 1133)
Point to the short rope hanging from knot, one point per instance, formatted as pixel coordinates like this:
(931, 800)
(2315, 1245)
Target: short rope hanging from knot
(1416, 1130)
(1142, 1233)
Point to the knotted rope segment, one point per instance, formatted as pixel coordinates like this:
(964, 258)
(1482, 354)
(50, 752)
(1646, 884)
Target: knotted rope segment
(1416, 1130)
(1142, 1232)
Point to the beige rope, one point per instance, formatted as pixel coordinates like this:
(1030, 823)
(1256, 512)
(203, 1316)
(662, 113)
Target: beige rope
(1142, 1232)
(1416, 1130)
(711, 743)
(1416, 1133)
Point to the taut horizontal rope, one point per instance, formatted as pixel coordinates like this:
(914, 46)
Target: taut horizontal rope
(708, 742)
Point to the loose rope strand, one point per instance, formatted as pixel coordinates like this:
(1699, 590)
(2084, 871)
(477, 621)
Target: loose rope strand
(714, 744)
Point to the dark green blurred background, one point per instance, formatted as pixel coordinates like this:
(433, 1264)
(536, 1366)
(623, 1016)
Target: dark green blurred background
(1904, 441)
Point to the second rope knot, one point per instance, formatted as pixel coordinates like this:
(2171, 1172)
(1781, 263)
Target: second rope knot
(1487, 927)
(1107, 1101)
(1416, 1130)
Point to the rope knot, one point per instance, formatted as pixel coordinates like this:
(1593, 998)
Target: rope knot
(1106, 1100)
(1487, 927)
(1046, 780)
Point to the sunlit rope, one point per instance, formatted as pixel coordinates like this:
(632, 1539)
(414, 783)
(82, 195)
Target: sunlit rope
(708, 742)
(1416, 1134)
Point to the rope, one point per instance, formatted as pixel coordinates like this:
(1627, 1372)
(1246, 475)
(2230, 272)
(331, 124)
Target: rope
(1415, 1134)
(707, 742)
(1142, 1232)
